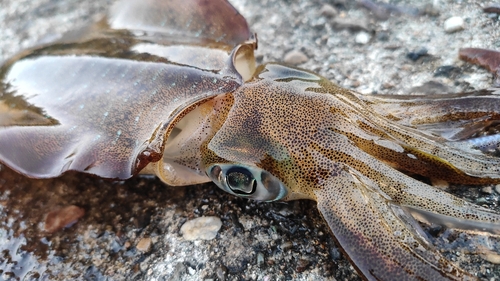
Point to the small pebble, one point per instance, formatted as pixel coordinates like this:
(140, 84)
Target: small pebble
(179, 271)
(286, 211)
(302, 265)
(387, 85)
(448, 71)
(295, 57)
(363, 38)
(144, 245)
(63, 217)
(380, 12)
(260, 259)
(144, 266)
(328, 11)
(221, 273)
(286, 245)
(430, 10)
(335, 253)
(415, 55)
(453, 24)
(487, 190)
(497, 188)
(489, 59)
(351, 24)
(203, 228)
(492, 8)
(383, 36)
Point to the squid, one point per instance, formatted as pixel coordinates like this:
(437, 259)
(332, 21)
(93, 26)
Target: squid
(171, 88)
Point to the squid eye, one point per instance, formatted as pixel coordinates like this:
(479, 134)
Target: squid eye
(247, 181)
(241, 181)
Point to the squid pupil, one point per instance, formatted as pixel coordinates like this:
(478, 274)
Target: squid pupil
(241, 181)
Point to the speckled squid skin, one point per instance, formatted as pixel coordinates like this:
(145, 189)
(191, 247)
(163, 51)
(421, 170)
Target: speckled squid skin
(326, 144)
(107, 102)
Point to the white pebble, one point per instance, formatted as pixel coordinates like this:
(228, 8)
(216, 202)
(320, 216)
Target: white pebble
(487, 190)
(363, 38)
(328, 11)
(497, 188)
(203, 228)
(295, 57)
(453, 24)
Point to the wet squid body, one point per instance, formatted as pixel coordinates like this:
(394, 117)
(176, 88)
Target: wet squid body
(171, 88)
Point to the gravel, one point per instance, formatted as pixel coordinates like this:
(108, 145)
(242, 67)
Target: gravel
(453, 24)
(131, 230)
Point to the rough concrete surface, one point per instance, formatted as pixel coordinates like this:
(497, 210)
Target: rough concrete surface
(131, 230)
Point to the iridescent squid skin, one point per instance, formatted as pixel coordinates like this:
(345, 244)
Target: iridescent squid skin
(173, 90)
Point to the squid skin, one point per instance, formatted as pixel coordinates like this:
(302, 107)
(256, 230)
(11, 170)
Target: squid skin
(341, 162)
(171, 88)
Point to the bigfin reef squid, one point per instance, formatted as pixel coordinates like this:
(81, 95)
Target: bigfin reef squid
(171, 88)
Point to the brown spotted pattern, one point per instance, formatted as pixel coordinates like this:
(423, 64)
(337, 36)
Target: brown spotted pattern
(327, 144)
